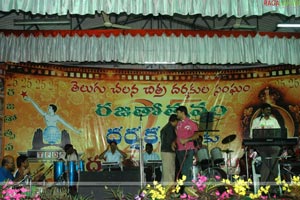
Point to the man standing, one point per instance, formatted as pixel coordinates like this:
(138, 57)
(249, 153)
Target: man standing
(167, 137)
(70, 154)
(269, 154)
(71, 158)
(185, 131)
(265, 119)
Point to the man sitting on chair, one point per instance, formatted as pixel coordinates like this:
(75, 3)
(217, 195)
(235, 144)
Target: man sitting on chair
(113, 154)
(150, 155)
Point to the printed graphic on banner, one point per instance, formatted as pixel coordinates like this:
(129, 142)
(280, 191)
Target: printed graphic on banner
(44, 113)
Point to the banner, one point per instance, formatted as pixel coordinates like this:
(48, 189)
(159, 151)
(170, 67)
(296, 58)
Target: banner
(93, 106)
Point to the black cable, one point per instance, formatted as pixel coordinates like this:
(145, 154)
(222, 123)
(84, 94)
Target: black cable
(184, 158)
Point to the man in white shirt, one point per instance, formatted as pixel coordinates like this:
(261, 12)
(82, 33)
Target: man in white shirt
(269, 154)
(113, 154)
(265, 120)
(150, 155)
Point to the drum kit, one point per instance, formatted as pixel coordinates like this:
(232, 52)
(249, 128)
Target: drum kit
(209, 162)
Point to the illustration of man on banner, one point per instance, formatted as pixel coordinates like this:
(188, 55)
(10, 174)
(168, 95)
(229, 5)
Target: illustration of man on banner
(51, 136)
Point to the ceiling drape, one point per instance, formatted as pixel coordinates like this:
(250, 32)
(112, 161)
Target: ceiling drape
(237, 8)
(134, 47)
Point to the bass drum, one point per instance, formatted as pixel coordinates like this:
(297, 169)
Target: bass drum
(215, 173)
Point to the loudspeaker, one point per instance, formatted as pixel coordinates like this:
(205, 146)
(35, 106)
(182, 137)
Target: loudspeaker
(100, 184)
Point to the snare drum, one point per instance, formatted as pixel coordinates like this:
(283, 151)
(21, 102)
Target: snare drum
(59, 170)
(217, 156)
(203, 157)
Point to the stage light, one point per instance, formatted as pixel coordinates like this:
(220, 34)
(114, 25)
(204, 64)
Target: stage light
(160, 62)
(42, 22)
(288, 25)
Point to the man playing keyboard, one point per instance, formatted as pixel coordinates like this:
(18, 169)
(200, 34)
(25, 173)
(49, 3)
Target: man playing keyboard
(152, 171)
(113, 154)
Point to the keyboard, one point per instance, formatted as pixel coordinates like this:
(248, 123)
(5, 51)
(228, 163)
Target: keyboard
(270, 142)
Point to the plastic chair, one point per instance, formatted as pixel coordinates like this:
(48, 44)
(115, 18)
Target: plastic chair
(256, 175)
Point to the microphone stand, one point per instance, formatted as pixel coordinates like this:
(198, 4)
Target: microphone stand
(247, 167)
(141, 154)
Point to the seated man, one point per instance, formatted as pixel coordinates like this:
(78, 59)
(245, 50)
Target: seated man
(150, 155)
(7, 168)
(23, 170)
(113, 154)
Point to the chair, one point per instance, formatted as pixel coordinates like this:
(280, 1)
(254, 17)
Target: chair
(256, 175)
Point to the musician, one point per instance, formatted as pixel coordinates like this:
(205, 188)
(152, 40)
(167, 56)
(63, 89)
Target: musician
(7, 168)
(185, 131)
(70, 155)
(265, 119)
(23, 170)
(113, 154)
(150, 155)
(269, 154)
(167, 136)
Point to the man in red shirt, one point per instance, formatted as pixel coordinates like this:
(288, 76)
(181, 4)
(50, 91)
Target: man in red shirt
(185, 131)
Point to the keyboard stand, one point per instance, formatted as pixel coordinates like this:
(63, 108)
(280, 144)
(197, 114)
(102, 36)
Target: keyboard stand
(154, 164)
(111, 165)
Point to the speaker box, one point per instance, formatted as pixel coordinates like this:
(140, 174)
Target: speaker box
(99, 184)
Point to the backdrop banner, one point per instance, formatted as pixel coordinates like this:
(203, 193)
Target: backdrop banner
(94, 106)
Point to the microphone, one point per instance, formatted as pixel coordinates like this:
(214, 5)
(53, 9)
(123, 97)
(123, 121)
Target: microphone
(38, 170)
(43, 176)
(26, 177)
(262, 115)
(141, 116)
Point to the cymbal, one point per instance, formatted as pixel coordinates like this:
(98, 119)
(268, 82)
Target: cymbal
(227, 151)
(228, 139)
